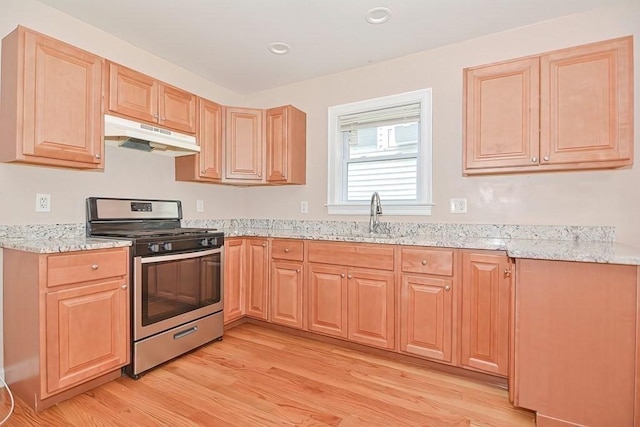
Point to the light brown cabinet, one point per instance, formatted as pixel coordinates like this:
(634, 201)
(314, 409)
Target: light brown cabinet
(234, 279)
(244, 148)
(205, 166)
(136, 95)
(286, 145)
(427, 303)
(486, 306)
(69, 315)
(287, 283)
(51, 103)
(576, 342)
(257, 283)
(567, 109)
(327, 300)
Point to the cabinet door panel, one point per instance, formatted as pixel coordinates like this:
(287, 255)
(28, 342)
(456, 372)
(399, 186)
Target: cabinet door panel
(133, 94)
(586, 103)
(327, 300)
(257, 290)
(426, 316)
(210, 140)
(277, 147)
(87, 333)
(286, 294)
(177, 109)
(63, 86)
(486, 296)
(234, 277)
(501, 115)
(244, 148)
(371, 308)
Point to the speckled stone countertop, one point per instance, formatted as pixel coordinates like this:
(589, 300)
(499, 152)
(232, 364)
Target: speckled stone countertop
(563, 243)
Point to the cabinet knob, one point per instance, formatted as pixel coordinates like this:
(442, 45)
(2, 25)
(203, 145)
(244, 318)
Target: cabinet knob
(342, 275)
(264, 245)
(507, 272)
(124, 286)
(298, 270)
(534, 160)
(545, 158)
(203, 172)
(95, 266)
(259, 175)
(423, 262)
(286, 250)
(164, 118)
(98, 156)
(447, 288)
(155, 116)
(349, 277)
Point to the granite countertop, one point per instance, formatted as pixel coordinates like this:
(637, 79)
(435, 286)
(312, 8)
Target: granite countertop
(55, 245)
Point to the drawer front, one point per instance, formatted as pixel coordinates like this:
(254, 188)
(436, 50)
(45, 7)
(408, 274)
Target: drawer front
(363, 255)
(75, 267)
(427, 261)
(292, 250)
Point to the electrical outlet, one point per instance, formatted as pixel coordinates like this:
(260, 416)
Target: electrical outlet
(43, 202)
(199, 205)
(458, 206)
(304, 206)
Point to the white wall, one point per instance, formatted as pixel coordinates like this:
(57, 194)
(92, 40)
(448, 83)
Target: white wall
(576, 198)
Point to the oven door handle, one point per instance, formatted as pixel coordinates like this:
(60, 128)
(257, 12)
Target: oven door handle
(176, 257)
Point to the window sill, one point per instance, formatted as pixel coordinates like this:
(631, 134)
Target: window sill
(387, 209)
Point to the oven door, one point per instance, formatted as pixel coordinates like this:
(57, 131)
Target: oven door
(170, 290)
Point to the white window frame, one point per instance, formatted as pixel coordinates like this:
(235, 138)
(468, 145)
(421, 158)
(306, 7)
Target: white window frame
(336, 205)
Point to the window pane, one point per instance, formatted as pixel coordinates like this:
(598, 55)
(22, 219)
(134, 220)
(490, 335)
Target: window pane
(395, 140)
(394, 179)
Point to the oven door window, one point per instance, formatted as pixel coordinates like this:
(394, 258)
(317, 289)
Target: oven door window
(171, 288)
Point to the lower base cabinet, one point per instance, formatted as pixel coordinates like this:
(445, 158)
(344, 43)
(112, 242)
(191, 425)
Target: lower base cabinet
(286, 294)
(234, 279)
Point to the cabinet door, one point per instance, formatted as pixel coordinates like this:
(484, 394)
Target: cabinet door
(371, 307)
(234, 277)
(244, 148)
(177, 109)
(257, 289)
(286, 294)
(52, 98)
(286, 145)
(132, 94)
(210, 140)
(426, 316)
(587, 103)
(327, 300)
(486, 298)
(87, 333)
(501, 115)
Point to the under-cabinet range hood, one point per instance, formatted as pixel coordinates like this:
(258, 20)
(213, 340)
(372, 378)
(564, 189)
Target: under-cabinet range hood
(144, 137)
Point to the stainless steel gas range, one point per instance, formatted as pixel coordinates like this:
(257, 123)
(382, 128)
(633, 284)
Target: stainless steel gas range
(176, 277)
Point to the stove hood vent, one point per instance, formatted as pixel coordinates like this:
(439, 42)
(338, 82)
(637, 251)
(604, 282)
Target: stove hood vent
(144, 137)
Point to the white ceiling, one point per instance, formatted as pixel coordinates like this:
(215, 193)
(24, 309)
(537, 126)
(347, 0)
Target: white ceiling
(225, 41)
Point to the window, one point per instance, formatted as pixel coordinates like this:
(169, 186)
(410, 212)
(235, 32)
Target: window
(383, 145)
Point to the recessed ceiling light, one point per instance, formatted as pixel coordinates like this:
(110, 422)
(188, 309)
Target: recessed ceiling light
(378, 15)
(279, 48)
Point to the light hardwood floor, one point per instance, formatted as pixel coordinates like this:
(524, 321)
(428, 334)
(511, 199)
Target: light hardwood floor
(257, 377)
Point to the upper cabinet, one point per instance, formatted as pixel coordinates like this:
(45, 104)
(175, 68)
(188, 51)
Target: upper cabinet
(244, 145)
(286, 145)
(51, 103)
(136, 95)
(568, 109)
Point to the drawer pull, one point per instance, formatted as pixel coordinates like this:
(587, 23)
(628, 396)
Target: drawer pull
(423, 262)
(94, 266)
(124, 286)
(447, 288)
(185, 333)
(286, 250)
(264, 245)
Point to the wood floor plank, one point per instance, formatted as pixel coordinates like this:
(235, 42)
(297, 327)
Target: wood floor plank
(261, 377)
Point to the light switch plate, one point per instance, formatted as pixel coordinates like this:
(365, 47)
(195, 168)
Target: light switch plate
(304, 207)
(458, 206)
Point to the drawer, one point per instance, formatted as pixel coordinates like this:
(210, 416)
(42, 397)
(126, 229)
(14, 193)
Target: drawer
(292, 250)
(75, 267)
(427, 261)
(364, 255)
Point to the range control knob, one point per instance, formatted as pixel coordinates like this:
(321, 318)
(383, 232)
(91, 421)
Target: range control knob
(204, 242)
(153, 247)
(213, 241)
(167, 246)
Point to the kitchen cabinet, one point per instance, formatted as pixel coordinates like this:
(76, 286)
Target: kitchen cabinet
(51, 98)
(257, 285)
(286, 145)
(347, 297)
(576, 342)
(567, 109)
(138, 96)
(234, 279)
(427, 303)
(287, 283)
(68, 315)
(205, 166)
(244, 148)
(486, 302)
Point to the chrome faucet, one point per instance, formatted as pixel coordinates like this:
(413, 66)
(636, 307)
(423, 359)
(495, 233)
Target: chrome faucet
(375, 210)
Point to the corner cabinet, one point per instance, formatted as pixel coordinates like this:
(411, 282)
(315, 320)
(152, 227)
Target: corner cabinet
(567, 109)
(286, 145)
(51, 100)
(69, 315)
(138, 96)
